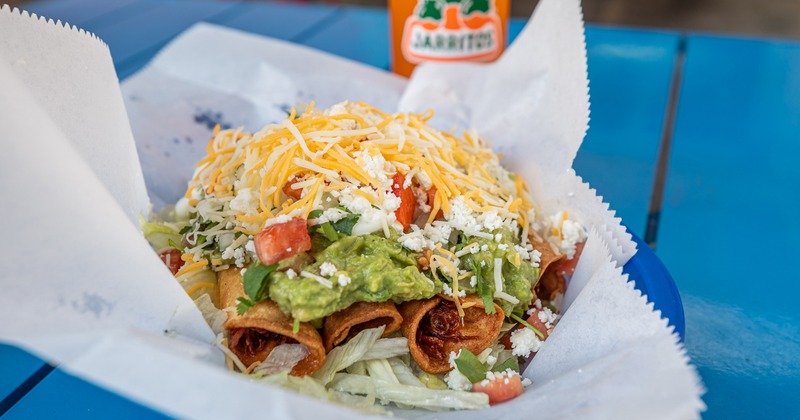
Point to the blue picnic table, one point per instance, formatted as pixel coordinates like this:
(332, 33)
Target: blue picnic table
(709, 124)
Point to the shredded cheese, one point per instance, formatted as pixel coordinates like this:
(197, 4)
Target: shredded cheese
(353, 150)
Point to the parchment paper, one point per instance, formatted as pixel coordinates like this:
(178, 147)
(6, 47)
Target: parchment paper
(83, 289)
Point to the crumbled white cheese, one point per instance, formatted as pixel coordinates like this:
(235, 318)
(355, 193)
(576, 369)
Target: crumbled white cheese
(414, 243)
(498, 237)
(502, 247)
(374, 165)
(461, 215)
(491, 360)
(355, 203)
(291, 273)
(332, 214)
(491, 221)
(391, 202)
(327, 269)
(457, 381)
(343, 280)
(278, 219)
(524, 342)
(572, 233)
(484, 247)
(447, 290)
(452, 358)
(438, 233)
(536, 257)
(473, 281)
(547, 317)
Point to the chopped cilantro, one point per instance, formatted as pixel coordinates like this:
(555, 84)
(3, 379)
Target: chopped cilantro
(345, 225)
(255, 285)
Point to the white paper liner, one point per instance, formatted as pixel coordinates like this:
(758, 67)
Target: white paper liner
(97, 300)
(70, 74)
(253, 81)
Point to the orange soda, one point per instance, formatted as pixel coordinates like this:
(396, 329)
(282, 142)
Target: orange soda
(446, 30)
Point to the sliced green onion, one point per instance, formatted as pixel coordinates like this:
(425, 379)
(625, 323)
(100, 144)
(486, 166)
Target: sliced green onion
(525, 323)
(469, 366)
(510, 363)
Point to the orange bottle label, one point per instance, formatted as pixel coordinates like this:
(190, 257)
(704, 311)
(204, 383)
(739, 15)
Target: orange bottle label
(447, 30)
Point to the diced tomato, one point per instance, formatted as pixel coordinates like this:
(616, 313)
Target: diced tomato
(537, 323)
(431, 196)
(567, 267)
(172, 259)
(404, 214)
(500, 389)
(282, 240)
(287, 189)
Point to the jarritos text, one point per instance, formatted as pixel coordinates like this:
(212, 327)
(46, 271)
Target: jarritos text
(453, 30)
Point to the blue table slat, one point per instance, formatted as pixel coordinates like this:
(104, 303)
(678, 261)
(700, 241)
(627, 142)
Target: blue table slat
(629, 81)
(17, 366)
(729, 222)
(149, 28)
(80, 12)
(278, 20)
(61, 395)
(357, 33)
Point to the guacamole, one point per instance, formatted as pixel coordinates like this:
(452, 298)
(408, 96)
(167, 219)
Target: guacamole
(378, 269)
(518, 276)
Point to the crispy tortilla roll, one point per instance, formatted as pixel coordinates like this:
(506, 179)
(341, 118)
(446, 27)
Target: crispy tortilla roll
(345, 324)
(264, 327)
(549, 284)
(434, 329)
(550, 257)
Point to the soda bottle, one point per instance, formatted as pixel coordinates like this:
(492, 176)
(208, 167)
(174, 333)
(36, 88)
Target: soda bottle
(446, 30)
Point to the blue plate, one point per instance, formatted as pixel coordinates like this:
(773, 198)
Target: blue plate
(651, 277)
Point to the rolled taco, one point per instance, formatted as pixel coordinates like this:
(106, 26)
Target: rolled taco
(434, 329)
(345, 324)
(549, 284)
(254, 335)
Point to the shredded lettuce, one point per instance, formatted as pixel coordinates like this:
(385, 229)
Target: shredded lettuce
(345, 355)
(432, 399)
(160, 234)
(404, 373)
(357, 368)
(302, 384)
(385, 348)
(381, 369)
(214, 317)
